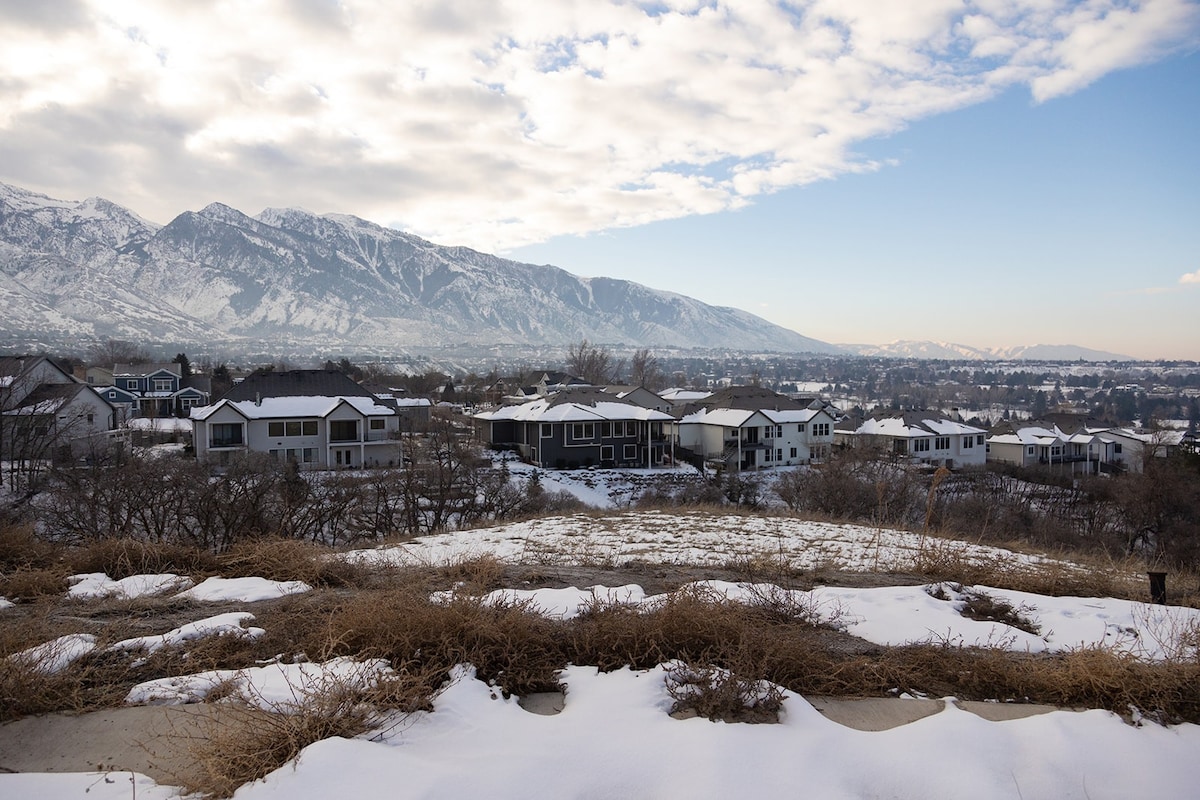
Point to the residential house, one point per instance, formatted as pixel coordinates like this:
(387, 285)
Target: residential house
(320, 419)
(920, 436)
(746, 439)
(1046, 444)
(43, 408)
(154, 390)
(579, 429)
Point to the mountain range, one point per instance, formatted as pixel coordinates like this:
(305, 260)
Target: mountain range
(93, 269)
(76, 272)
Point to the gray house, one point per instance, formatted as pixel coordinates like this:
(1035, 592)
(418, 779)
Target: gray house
(579, 429)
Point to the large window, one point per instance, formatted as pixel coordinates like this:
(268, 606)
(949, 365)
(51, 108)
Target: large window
(941, 443)
(820, 429)
(920, 445)
(225, 434)
(343, 430)
(630, 452)
(163, 385)
(292, 427)
(583, 431)
(378, 424)
(968, 442)
(547, 430)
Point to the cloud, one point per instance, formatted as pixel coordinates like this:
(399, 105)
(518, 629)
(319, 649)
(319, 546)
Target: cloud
(1191, 277)
(493, 125)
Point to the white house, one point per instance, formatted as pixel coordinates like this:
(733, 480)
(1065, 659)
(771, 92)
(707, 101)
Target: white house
(1048, 445)
(921, 436)
(746, 439)
(43, 409)
(319, 419)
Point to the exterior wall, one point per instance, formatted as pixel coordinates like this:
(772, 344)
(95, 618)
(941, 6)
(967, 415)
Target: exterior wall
(203, 433)
(569, 446)
(1010, 453)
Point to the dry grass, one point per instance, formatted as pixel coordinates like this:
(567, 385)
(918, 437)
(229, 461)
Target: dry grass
(120, 558)
(292, 560)
(243, 742)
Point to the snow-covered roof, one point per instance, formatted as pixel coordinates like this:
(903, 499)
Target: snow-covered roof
(546, 411)
(737, 417)
(412, 402)
(292, 407)
(908, 427)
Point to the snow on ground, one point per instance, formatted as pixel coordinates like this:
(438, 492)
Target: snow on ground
(698, 539)
(246, 590)
(614, 738)
(6, 603)
(274, 687)
(230, 624)
(598, 488)
(57, 654)
(94, 585)
(899, 615)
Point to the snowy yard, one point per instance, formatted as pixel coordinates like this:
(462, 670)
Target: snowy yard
(614, 736)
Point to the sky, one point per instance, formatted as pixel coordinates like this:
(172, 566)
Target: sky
(985, 172)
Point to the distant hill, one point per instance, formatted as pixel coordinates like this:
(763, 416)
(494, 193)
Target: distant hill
(962, 352)
(92, 269)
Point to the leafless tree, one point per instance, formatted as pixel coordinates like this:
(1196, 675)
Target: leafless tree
(591, 362)
(116, 351)
(644, 370)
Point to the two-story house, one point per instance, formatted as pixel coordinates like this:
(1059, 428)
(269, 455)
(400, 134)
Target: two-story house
(920, 436)
(43, 409)
(575, 429)
(749, 440)
(153, 390)
(320, 419)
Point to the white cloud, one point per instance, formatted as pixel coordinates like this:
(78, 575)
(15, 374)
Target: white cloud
(1191, 277)
(498, 123)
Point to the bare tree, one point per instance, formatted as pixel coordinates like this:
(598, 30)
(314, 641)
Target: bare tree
(591, 362)
(116, 351)
(644, 370)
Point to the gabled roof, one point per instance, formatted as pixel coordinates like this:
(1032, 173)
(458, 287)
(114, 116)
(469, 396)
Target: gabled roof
(737, 417)
(293, 407)
(48, 398)
(914, 424)
(296, 383)
(140, 370)
(563, 408)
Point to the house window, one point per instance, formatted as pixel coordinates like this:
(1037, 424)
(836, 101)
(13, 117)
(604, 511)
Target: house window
(779, 454)
(979, 439)
(941, 443)
(112, 395)
(767, 455)
(310, 427)
(378, 424)
(606, 430)
(582, 431)
(968, 442)
(275, 429)
(631, 429)
(310, 455)
(607, 452)
(343, 430)
(1029, 450)
(547, 430)
(163, 385)
(820, 429)
(800, 427)
(91, 418)
(793, 453)
(1116, 447)
(630, 452)
(920, 445)
(225, 434)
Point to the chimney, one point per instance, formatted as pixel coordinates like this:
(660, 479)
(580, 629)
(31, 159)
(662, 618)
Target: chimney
(258, 398)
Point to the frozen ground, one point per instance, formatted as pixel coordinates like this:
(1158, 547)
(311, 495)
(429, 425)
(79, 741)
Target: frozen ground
(614, 737)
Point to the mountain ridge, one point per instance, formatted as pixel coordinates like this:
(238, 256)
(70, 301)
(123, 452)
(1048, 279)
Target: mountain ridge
(332, 280)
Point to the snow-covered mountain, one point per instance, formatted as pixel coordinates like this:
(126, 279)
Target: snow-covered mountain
(962, 352)
(72, 270)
